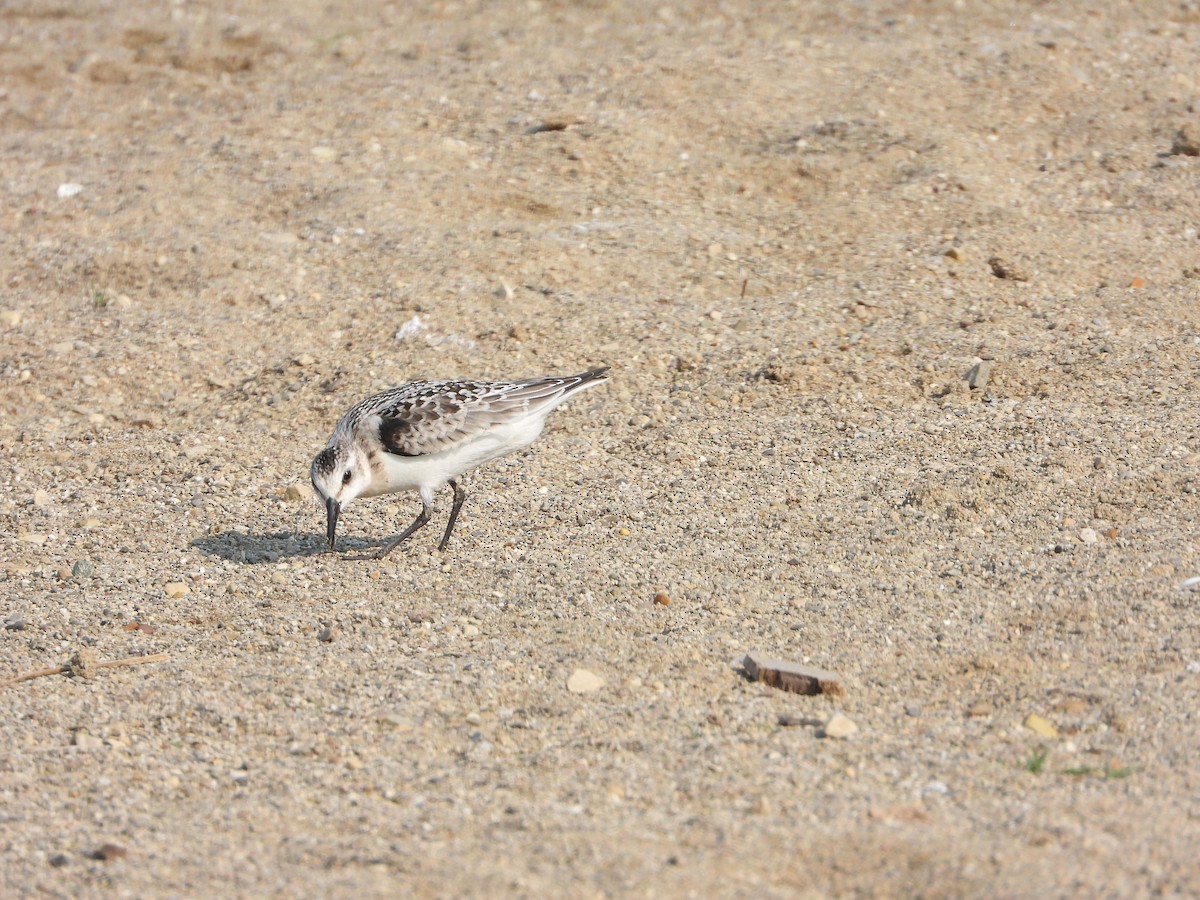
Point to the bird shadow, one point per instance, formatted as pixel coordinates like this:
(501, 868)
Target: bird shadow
(242, 547)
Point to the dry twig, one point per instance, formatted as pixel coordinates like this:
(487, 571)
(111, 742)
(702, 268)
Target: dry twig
(79, 666)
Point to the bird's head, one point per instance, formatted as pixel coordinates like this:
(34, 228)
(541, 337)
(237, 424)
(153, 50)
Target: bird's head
(339, 473)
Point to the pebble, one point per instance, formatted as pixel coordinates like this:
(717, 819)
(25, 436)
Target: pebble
(912, 709)
(791, 720)
(323, 154)
(661, 598)
(295, 492)
(979, 709)
(32, 537)
(68, 189)
(15, 622)
(10, 317)
(1001, 268)
(82, 569)
(1089, 535)
(58, 860)
(175, 589)
(839, 726)
(977, 378)
(583, 681)
(41, 498)
(326, 634)
(85, 741)
(1040, 725)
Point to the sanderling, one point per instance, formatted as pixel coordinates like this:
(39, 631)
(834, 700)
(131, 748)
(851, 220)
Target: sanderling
(425, 434)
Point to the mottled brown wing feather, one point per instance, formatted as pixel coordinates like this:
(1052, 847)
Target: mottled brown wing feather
(456, 411)
(417, 427)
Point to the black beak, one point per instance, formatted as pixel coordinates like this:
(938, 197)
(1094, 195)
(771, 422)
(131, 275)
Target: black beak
(332, 508)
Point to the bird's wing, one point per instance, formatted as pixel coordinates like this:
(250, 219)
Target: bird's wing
(429, 417)
(438, 415)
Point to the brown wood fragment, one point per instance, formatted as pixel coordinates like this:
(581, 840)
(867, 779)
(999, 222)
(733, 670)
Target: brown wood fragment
(79, 665)
(548, 125)
(788, 676)
(109, 852)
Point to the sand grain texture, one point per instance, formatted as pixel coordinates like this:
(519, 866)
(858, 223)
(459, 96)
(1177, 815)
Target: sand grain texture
(776, 222)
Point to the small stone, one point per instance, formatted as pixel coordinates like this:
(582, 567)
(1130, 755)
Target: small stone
(1039, 725)
(584, 682)
(1089, 535)
(1137, 282)
(954, 253)
(791, 720)
(296, 492)
(283, 238)
(777, 372)
(323, 154)
(32, 537)
(1006, 270)
(90, 522)
(327, 634)
(81, 664)
(519, 333)
(41, 498)
(661, 598)
(839, 726)
(58, 860)
(1187, 142)
(82, 569)
(979, 710)
(1071, 705)
(504, 291)
(10, 317)
(977, 377)
(175, 589)
(15, 622)
(68, 189)
(109, 852)
(85, 741)
(912, 710)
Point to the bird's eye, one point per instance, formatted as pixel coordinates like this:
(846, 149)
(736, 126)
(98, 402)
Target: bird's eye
(346, 477)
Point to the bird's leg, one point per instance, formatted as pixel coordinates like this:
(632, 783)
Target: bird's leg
(459, 496)
(418, 522)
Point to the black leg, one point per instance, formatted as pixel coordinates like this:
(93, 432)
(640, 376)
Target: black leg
(459, 496)
(418, 522)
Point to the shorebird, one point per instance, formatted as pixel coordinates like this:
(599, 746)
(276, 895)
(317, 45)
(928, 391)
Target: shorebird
(425, 434)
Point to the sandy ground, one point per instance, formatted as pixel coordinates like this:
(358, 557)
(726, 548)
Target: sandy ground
(792, 229)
